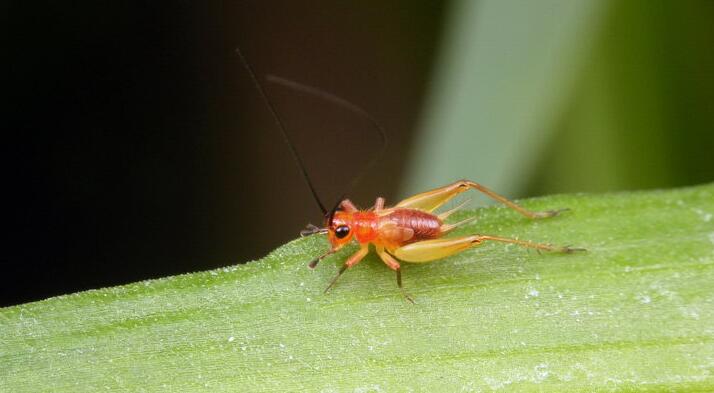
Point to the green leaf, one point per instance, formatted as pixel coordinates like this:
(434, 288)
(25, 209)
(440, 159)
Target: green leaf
(634, 312)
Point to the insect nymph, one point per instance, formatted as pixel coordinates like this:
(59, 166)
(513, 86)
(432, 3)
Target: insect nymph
(410, 231)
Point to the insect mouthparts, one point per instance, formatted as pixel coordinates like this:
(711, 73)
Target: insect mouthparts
(311, 230)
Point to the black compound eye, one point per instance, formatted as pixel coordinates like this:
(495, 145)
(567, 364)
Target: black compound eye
(342, 231)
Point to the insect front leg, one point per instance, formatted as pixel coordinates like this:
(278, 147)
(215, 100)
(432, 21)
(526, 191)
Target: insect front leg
(348, 206)
(394, 265)
(430, 250)
(431, 200)
(351, 261)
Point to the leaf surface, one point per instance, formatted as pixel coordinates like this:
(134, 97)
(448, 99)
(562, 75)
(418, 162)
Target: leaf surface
(634, 312)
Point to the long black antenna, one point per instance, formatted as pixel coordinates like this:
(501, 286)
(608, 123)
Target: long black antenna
(347, 105)
(280, 125)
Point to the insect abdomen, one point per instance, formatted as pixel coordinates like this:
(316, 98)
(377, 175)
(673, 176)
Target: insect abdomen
(425, 225)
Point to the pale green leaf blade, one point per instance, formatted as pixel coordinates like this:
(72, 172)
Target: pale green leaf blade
(634, 312)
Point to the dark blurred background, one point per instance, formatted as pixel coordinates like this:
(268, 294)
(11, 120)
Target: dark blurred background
(137, 147)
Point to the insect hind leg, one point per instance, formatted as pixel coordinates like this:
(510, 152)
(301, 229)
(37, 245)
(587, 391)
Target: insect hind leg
(431, 200)
(497, 197)
(430, 250)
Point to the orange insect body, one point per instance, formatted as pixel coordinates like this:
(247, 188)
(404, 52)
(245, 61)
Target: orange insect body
(388, 228)
(411, 232)
(408, 232)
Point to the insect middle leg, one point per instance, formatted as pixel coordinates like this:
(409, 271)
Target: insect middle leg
(429, 250)
(394, 265)
(431, 200)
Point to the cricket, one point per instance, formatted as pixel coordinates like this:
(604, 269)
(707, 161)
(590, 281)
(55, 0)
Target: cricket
(410, 231)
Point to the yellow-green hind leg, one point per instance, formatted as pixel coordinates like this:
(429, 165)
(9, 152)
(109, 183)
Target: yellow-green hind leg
(430, 250)
(431, 200)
